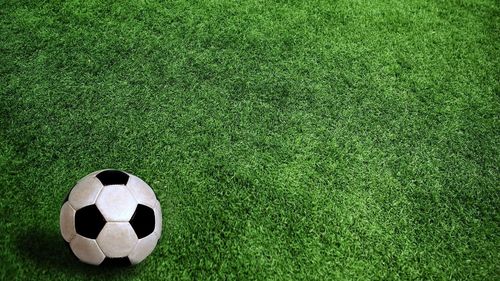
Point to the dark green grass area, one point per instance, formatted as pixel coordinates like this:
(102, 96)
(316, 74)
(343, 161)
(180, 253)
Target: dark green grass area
(345, 140)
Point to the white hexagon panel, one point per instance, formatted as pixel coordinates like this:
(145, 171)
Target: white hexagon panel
(142, 192)
(143, 248)
(158, 219)
(85, 192)
(67, 221)
(111, 218)
(117, 239)
(87, 250)
(116, 203)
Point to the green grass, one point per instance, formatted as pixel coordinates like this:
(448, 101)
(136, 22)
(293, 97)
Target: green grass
(345, 140)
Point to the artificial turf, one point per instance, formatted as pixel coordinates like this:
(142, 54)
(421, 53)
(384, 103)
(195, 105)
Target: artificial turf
(346, 140)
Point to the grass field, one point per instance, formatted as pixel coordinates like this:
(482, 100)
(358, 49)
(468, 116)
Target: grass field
(314, 140)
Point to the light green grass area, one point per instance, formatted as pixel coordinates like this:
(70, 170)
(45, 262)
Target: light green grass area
(286, 140)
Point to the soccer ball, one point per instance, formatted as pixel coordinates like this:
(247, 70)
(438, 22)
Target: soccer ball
(111, 218)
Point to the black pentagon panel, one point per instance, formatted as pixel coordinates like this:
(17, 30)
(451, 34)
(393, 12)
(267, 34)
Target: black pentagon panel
(143, 221)
(116, 262)
(110, 177)
(89, 221)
